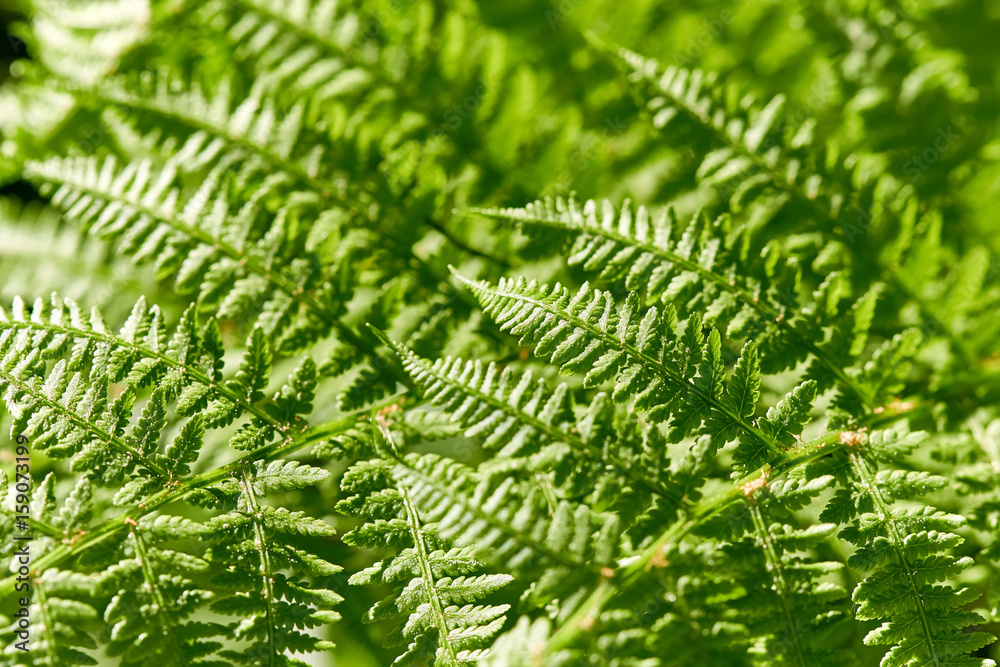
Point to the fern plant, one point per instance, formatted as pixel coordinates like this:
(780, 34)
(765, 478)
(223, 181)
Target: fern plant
(510, 334)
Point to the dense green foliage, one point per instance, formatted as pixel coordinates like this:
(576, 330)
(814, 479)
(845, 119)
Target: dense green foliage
(611, 333)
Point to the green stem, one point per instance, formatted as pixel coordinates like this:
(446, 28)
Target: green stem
(266, 569)
(860, 467)
(635, 572)
(45, 527)
(161, 609)
(427, 576)
(72, 547)
(47, 625)
(776, 569)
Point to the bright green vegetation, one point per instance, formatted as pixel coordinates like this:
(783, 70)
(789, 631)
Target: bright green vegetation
(608, 333)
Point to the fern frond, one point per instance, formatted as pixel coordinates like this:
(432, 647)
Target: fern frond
(202, 489)
(509, 530)
(761, 151)
(884, 36)
(729, 453)
(670, 374)
(63, 641)
(40, 254)
(67, 411)
(440, 585)
(152, 596)
(61, 599)
(277, 610)
(520, 415)
(196, 240)
(907, 552)
(303, 49)
(269, 136)
(804, 614)
(87, 40)
(228, 242)
(701, 267)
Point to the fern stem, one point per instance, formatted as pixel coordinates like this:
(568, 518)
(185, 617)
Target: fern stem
(634, 574)
(45, 527)
(71, 547)
(776, 569)
(48, 627)
(162, 611)
(459, 243)
(266, 569)
(427, 576)
(861, 468)
(544, 483)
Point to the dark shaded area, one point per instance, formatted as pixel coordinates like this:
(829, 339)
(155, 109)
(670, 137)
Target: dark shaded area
(20, 189)
(11, 49)
(11, 46)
